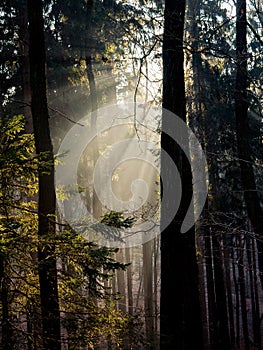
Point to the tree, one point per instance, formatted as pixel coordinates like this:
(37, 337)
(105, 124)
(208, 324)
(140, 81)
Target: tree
(17, 228)
(180, 325)
(254, 210)
(83, 265)
(46, 192)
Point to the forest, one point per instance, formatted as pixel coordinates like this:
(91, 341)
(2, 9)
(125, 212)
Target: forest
(131, 212)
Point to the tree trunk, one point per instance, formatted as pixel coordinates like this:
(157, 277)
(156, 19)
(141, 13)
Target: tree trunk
(242, 284)
(96, 205)
(255, 212)
(148, 293)
(211, 300)
(180, 321)
(129, 281)
(121, 282)
(257, 302)
(234, 258)
(7, 342)
(24, 48)
(47, 202)
(230, 306)
(254, 295)
(220, 293)
(156, 271)
(200, 232)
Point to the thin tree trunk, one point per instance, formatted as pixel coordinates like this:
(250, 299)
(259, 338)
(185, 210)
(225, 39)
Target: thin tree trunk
(7, 342)
(254, 296)
(140, 280)
(230, 306)
(129, 280)
(47, 201)
(121, 282)
(242, 285)
(148, 293)
(211, 299)
(256, 293)
(113, 285)
(234, 256)
(29, 323)
(155, 284)
(220, 292)
(200, 239)
(24, 48)
(96, 205)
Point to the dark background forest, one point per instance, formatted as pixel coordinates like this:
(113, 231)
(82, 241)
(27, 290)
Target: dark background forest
(197, 61)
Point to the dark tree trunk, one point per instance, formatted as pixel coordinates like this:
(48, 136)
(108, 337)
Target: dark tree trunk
(234, 258)
(230, 305)
(121, 285)
(254, 209)
(223, 342)
(180, 322)
(33, 322)
(242, 284)
(96, 205)
(6, 330)
(92, 85)
(46, 204)
(7, 342)
(148, 294)
(24, 47)
(211, 299)
(156, 271)
(129, 281)
(254, 295)
(257, 302)
(88, 48)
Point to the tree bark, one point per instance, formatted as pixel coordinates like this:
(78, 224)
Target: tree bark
(234, 258)
(121, 282)
(7, 341)
(211, 299)
(242, 285)
(148, 294)
(24, 49)
(255, 212)
(129, 281)
(223, 342)
(47, 202)
(256, 293)
(230, 306)
(96, 204)
(253, 295)
(180, 321)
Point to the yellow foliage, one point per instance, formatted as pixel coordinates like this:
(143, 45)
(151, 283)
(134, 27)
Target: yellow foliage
(64, 18)
(110, 47)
